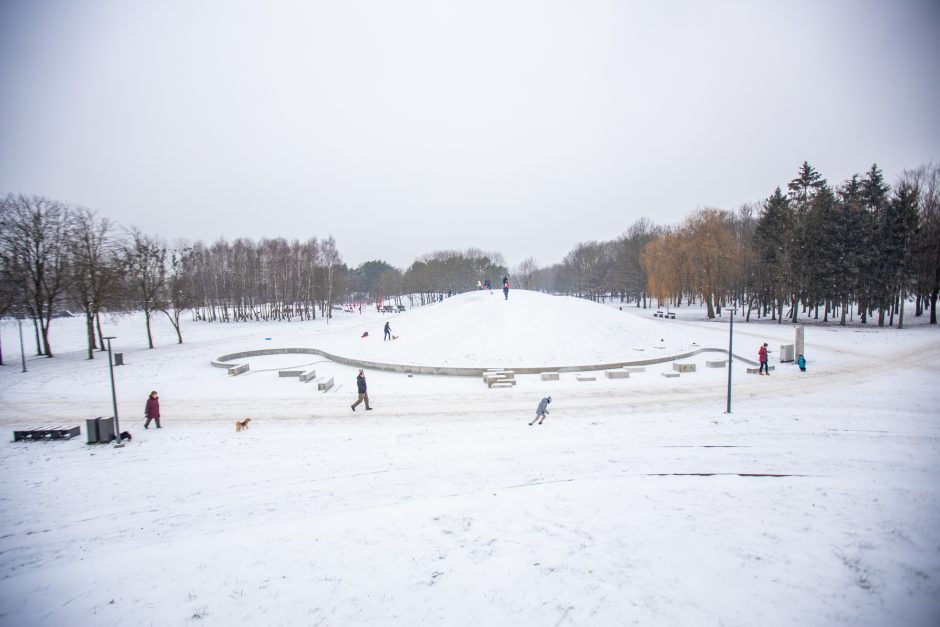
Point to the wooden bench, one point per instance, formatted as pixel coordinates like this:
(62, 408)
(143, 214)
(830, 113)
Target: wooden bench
(401, 308)
(41, 433)
(658, 314)
(671, 315)
(325, 384)
(388, 309)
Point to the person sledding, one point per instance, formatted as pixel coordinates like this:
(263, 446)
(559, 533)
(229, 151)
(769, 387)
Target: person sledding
(542, 411)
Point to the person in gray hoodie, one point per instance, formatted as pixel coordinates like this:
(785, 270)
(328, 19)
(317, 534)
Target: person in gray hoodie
(542, 410)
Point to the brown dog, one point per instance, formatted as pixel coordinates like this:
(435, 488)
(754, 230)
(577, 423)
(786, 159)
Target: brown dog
(242, 424)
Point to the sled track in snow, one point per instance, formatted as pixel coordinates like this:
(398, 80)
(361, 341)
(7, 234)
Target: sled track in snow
(228, 361)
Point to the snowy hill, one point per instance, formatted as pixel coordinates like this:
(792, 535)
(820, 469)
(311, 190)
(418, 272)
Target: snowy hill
(483, 329)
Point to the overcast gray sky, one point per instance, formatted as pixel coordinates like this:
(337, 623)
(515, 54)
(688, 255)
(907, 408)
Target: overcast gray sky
(407, 127)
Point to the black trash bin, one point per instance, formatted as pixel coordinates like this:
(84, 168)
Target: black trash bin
(118, 359)
(105, 429)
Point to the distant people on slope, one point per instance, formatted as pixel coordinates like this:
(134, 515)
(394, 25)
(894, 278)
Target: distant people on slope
(801, 362)
(506, 287)
(152, 410)
(542, 410)
(488, 285)
(479, 284)
(762, 357)
(388, 332)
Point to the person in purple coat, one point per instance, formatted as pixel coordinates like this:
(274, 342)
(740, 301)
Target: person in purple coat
(152, 412)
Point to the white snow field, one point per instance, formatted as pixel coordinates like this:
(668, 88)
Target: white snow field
(638, 502)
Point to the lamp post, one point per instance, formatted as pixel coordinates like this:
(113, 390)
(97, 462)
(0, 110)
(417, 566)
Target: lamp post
(19, 323)
(117, 428)
(730, 354)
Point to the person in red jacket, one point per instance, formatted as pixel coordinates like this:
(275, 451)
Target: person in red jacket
(762, 356)
(152, 412)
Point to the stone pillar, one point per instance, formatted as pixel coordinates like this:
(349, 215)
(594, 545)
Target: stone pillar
(798, 340)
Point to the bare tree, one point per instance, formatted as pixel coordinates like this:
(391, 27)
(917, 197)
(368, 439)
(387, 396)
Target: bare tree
(525, 272)
(175, 296)
(93, 267)
(33, 237)
(331, 260)
(145, 263)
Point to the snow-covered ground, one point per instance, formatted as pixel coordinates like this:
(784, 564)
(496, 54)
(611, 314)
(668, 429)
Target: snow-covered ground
(639, 500)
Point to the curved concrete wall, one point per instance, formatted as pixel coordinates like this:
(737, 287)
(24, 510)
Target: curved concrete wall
(461, 372)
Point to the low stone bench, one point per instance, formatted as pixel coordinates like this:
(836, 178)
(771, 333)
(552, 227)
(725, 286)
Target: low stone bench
(550, 376)
(618, 374)
(502, 384)
(499, 374)
(683, 367)
(721, 363)
(585, 377)
(670, 375)
(235, 370)
(757, 370)
(308, 376)
(289, 373)
(635, 368)
(325, 384)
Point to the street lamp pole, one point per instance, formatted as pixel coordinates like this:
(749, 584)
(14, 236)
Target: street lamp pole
(19, 323)
(117, 428)
(730, 355)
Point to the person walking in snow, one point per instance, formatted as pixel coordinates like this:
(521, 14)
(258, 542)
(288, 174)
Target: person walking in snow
(388, 332)
(506, 287)
(363, 395)
(152, 410)
(542, 410)
(762, 357)
(801, 362)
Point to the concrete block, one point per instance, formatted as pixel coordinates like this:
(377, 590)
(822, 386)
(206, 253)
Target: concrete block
(310, 375)
(502, 384)
(786, 353)
(550, 376)
(618, 374)
(670, 375)
(289, 373)
(720, 363)
(683, 367)
(235, 370)
(757, 370)
(325, 384)
(635, 368)
(585, 377)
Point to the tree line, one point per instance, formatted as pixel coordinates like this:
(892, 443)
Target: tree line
(861, 248)
(55, 258)
(858, 248)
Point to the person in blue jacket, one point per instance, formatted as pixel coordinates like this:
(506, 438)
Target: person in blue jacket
(801, 362)
(542, 410)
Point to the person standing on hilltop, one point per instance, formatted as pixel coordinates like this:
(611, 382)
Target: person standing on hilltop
(506, 287)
